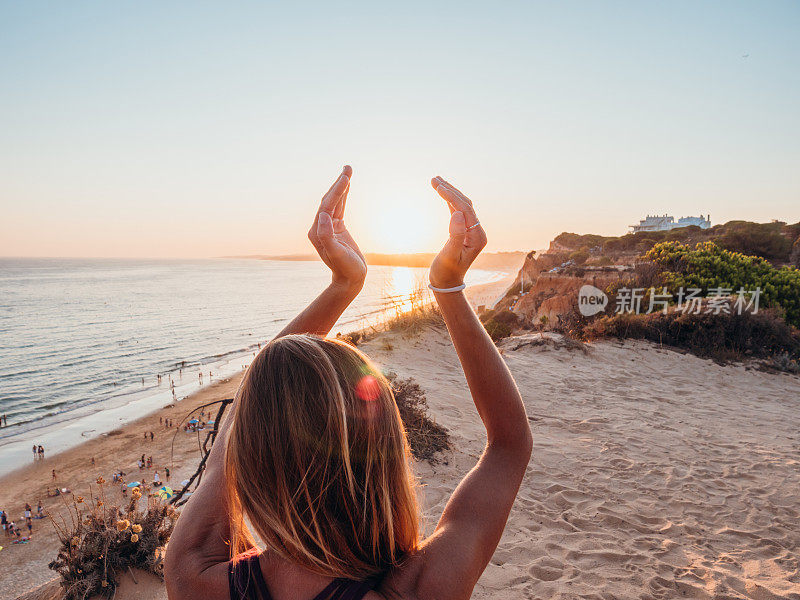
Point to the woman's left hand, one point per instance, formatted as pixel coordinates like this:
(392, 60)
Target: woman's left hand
(334, 244)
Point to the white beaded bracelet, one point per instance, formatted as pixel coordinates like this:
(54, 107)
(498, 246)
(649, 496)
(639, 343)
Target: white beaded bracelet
(458, 288)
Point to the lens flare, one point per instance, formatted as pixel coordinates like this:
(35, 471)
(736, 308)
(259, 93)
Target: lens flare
(368, 389)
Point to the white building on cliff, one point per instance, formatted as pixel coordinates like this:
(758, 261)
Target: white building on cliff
(667, 222)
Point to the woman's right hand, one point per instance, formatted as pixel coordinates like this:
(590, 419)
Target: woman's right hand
(471, 525)
(333, 242)
(467, 238)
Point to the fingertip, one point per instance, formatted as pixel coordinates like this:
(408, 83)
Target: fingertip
(436, 182)
(458, 223)
(324, 223)
(347, 171)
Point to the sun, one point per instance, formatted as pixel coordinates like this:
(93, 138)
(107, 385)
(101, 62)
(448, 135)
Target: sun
(408, 225)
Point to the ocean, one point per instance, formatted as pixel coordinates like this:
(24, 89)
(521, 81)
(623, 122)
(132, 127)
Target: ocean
(84, 341)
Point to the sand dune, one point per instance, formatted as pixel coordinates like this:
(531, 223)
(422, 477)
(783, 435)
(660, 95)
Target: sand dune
(655, 474)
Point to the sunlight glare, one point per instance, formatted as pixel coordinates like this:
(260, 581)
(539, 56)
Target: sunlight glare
(404, 281)
(406, 224)
(406, 289)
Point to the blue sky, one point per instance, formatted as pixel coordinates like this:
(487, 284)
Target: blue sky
(202, 128)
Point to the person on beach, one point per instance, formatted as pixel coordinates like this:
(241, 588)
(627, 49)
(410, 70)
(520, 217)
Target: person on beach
(156, 479)
(54, 474)
(4, 521)
(35, 451)
(40, 510)
(315, 459)
(166, 473)
(41, 452)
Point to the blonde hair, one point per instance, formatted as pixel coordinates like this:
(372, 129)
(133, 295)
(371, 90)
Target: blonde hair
(318, 461)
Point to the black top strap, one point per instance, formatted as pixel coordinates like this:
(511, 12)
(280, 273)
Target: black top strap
(246, 582)
(245, 579)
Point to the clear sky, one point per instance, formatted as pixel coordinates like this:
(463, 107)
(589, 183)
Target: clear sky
(210, 128)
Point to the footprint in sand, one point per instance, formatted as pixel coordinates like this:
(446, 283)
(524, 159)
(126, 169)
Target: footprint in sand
(547, 569)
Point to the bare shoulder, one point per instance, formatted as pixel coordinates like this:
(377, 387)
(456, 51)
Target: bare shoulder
(187, 580)
(401, 583)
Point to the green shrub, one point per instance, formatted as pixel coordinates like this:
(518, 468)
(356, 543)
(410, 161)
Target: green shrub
(580, 256)
(794, 257)
(576, 241)
(499, 323)
(756, 239)
(709, 266)
(759, 335)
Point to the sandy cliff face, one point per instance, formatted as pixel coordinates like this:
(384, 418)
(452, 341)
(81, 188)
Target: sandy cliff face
(555, 295)
(551, 283)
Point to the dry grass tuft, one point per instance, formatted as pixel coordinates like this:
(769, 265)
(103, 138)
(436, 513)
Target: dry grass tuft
(782, 363)
(556, 341)
(425, 436)
(411, 315)
(100, 542)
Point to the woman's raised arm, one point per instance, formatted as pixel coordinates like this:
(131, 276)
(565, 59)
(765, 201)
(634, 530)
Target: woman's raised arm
(339, 251)
(453, 558)
(199, 548)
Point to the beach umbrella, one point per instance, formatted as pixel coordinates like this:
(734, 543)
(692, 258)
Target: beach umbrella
(193, 421)
(166, 492)
(134, 484)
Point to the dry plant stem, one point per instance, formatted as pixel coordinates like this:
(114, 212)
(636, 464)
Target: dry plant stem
(179, 499)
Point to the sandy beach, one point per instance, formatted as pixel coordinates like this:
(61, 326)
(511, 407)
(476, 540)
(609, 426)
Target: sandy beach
(25, 565)
(655, 474)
